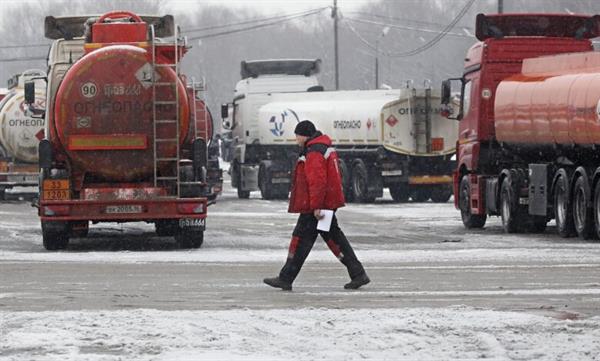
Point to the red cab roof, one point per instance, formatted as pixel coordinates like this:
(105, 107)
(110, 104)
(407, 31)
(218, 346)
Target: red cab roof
(548, 25)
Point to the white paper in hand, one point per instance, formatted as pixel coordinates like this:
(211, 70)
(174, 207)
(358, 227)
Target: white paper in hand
(325, 222)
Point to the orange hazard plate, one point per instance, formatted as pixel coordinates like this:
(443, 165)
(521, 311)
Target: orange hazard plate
(56, 189)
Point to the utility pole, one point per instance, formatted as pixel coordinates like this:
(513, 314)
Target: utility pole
(500, 6)
(334, 15)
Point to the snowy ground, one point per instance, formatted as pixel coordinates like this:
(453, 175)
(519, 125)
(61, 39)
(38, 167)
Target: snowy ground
(439, 292)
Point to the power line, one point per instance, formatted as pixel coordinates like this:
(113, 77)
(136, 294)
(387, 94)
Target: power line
(257, 20)
(387, 17)
(259, 26)
(424, 47)
(405, 27)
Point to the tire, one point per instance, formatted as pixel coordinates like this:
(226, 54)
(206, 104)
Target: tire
(399, 192)
(346, 177)
(509, 207)
(264, 184)
(420, 195)
(360, 182)
(2, 194)
(237, 176)
(55, 235)
(241, 193)
(469, 220)
(189, 238)
(441, 194)
(562, 209)
(597, 209)
(166, 227)
(583, 217)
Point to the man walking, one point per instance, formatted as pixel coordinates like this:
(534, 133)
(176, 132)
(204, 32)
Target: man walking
(316, 185)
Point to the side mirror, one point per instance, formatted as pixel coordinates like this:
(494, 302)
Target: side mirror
(448, 106)
(224, 111)
(446, 90)
(29, 92)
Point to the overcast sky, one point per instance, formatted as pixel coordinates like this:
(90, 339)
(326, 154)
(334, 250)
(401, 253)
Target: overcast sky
(274, 6)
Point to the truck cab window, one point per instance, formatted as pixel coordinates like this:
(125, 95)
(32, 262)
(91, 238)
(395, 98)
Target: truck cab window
(467, 98)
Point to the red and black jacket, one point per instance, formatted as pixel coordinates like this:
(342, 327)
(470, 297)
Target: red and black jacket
(316, 180)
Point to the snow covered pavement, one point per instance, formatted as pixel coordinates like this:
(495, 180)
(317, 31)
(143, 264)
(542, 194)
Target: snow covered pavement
(438, 291)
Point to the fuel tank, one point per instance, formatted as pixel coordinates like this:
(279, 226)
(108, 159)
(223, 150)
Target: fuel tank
(555, 100)
(105, 109)
(20, 133)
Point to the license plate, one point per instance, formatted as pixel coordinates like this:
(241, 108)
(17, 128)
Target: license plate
(280, 180)
(124, 209)
(191, 222)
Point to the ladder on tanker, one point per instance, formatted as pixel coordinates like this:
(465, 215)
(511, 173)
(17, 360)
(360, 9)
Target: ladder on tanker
(166, 124)
(422, 119)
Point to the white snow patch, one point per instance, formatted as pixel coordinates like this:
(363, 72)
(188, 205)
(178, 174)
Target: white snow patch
(457, 333)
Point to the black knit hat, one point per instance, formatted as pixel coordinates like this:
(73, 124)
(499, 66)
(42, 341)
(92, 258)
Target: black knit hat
(305, 128)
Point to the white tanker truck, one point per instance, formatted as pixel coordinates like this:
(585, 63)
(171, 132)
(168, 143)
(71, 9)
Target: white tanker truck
(385, 138)
(20, 133)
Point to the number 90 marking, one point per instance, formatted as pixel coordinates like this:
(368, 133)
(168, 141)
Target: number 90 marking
(89, 90)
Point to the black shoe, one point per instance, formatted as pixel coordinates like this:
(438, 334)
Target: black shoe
(357, 281)
(278, 283)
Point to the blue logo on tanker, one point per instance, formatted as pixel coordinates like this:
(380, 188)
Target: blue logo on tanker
(278, 121)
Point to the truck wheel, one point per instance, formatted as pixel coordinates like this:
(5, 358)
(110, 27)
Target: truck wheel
(267, 190)
(420, 195)
(509, 207)
(55, 235)
(441, 194)
(469, 220)
(346, 177)
(189, 238)
(360, 182)
(241, 193)
(399, 192)
(166, 227)
(583, 220)
(597, 209)
(564, 214)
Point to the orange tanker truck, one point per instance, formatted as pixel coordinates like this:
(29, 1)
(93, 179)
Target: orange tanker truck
(529, 138)
(121, 144)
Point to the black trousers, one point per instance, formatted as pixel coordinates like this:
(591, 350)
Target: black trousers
(303, 238)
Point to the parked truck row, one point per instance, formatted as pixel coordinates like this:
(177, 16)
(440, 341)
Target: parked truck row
(394, 139)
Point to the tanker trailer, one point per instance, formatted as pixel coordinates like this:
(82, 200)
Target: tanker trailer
(120, 145)
(204, 128)
(528, 147)
(392, 139)
(20, 134)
